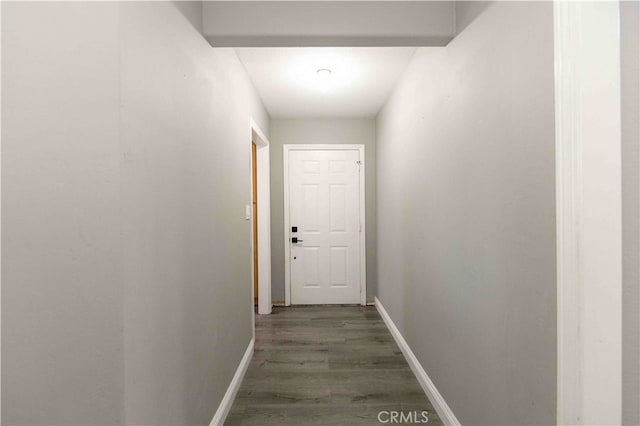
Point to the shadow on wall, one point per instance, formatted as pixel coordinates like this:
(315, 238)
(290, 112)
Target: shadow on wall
(192, 11)
(468, 11)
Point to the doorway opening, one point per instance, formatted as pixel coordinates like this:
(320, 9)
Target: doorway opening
(254, 220)
(261, 220)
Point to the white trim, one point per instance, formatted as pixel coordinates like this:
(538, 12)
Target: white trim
(588, 212)
(567, 193)
(287, 248)
(227, 400)
(363, 228)
(256, 131)
(264, 218)
(437, 400)
(286, 148)
(0, 226)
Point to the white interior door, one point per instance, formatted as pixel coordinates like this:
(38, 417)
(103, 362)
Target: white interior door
(324, 226)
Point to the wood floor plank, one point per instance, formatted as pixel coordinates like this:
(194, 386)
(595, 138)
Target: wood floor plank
(326, 365)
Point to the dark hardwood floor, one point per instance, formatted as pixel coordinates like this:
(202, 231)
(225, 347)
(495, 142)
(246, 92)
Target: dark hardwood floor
(327, 365)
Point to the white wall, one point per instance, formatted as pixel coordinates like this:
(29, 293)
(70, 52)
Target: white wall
(630, 80)
(186, 179)
(328, 23)
(126, 281)
(62, 294)
(320, 131)
(466, 214)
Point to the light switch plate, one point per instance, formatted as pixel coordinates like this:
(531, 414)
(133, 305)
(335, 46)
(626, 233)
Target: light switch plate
(247, 212)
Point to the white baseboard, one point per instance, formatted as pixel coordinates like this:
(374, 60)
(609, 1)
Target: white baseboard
(438, 402)
(232, 390)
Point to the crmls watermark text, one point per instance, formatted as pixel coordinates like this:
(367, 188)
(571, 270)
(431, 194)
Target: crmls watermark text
(403, 417)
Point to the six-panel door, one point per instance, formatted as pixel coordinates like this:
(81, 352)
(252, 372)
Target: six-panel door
(324, 205)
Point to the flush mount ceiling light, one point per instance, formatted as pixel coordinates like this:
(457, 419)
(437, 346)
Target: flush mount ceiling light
(323, 70)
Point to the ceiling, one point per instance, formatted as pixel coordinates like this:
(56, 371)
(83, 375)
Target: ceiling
(359, 84)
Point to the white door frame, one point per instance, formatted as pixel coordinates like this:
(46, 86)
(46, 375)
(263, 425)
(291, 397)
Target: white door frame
(588, 212)
(264, 218)
(286, 148)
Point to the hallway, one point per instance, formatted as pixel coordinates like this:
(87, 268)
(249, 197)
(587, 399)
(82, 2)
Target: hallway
(471, 168)
(326, 365)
